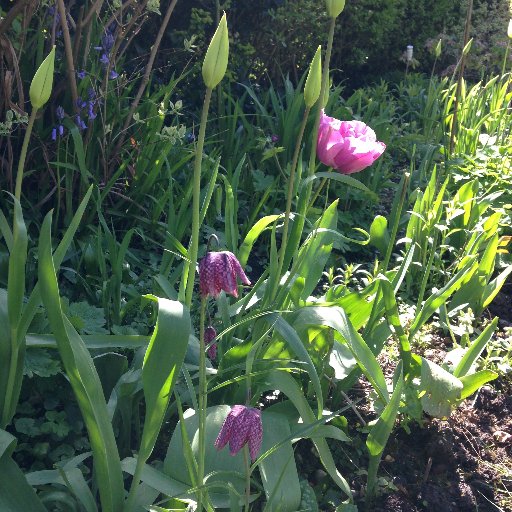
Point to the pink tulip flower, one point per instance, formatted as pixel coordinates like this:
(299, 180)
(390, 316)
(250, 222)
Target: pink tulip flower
(347, 146)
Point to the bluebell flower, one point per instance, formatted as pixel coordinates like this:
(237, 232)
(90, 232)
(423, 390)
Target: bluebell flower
(107, 41)
(59, 111)
(90, 110)
(80, 103)
(61, 130)
(79, 122)
(54, 134)
(104, 59)
(113, 74)
(81, 74)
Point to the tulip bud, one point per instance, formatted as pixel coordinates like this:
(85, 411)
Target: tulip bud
(437, 50)
(509, 31)
(334, 7)
(466, 48)
(314, 79)
(216, 59)
(41, 86)
(409, 52)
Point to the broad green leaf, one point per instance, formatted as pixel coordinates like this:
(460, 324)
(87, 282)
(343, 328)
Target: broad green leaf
(380, 432)
(296, 345)
(379, 236)
(440, 297)
(278, 470)
(162, 365)
(252, 236)
(475, 381)
(342, 178)
(476, 348)
(16, 494)
(316, 249)
(35, 298)
(442, 389)
(228, 468)
(287, 384)
(84, 380)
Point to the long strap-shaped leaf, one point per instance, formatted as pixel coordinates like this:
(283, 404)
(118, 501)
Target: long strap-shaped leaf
(84, 380)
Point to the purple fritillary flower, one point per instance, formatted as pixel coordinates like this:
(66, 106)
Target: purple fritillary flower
(113, 74)
(209, 335)
(54, 134)
(242, 425)
(81, 74)
(59, 112)
(218, 271)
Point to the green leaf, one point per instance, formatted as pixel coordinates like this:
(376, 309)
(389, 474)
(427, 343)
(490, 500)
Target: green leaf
(278, 470)
(442, 389)
(287, 384)
(251, 237)
(15, 492)
(342, 178)
(440, 297)
(475, 349)
(162, 364)
(84, 380)
(380, 432)
(379, 236)
(475, 381)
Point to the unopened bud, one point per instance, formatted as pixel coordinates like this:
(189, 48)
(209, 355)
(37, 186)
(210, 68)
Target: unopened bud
(334, 7)
(409, 52)
(466, 48)
(437, 50)
(216, 59)
(41, 86)
(314, 79)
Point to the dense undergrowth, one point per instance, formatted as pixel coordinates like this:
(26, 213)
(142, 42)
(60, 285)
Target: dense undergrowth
(118, 367)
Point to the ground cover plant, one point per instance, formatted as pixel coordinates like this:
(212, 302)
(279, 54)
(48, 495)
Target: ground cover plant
(221, 295)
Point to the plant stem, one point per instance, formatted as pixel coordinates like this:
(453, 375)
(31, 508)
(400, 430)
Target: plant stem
(202, 400)
(247, 477)
(289, 195)
(23, 154)
(194, 240)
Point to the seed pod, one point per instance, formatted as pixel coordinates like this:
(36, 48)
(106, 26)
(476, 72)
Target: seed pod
(216, 59)
(41, 86)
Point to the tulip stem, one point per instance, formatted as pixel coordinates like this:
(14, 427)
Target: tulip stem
(289, 195)
(202, 402)
(194, 239)
(23, 154)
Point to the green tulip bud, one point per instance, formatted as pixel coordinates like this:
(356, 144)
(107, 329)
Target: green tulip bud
(41, 86)
(466, 48)
(509, 31)
(216, 59)
(314, 79)
(334, 7)
(437, 50)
